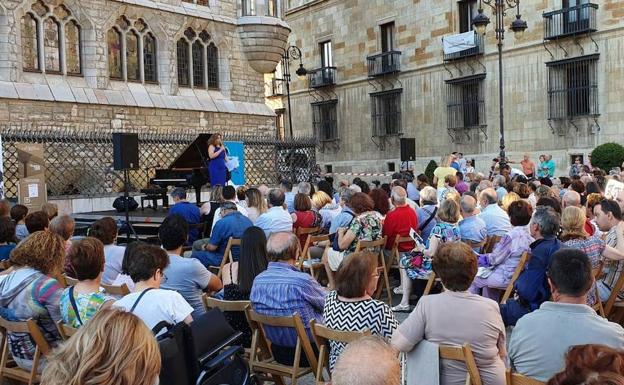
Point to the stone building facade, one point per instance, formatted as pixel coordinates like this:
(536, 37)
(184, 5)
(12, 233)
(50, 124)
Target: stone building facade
(139, 65)
(387, 77)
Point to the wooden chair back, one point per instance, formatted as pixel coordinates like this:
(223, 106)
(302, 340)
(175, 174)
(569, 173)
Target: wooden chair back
(307, 257)
(613, 297)
(385, 280)
(260, 344)
(597, 273)
(462, 353)
(396, 258)
(302, 252)
(524, 259)
(430, 282)
(322, 336)
(8, 368)
(227, 256)
(65, 331)
(490, 243)
(234, 306)
(69, 281)
(519, 379)
(118, 291)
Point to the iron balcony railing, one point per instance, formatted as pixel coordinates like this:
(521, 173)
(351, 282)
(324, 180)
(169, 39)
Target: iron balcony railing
(478, 49)
(322, 77)
(384, 63)
(570, 21)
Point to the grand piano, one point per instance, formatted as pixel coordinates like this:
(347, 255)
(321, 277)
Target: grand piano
(188, 170)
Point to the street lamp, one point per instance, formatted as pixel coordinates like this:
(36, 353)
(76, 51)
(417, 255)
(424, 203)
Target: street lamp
(291, 53)
(480, 23)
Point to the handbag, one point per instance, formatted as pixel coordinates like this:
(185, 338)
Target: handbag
(334, 240)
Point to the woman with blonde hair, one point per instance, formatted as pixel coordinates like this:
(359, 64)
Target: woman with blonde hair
(442, 171)
(508, 199)
(256, 204)
(31, 291)
(324, 205)
(574, 236)
(113, 348)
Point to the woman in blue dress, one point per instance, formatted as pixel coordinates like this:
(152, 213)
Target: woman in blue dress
(218, 157)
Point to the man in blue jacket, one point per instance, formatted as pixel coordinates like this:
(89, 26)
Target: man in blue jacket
(532, 285)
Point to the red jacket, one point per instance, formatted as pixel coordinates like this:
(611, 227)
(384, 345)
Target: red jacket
(398, 222)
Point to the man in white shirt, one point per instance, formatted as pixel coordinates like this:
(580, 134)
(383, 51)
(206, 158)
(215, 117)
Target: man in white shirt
(541, 339)
(229, 195)
(276, 219)
(495, 218)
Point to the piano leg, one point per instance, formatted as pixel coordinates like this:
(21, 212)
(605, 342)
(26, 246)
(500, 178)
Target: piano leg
(198, 193)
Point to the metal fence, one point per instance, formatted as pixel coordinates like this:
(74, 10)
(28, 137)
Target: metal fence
(79, 163)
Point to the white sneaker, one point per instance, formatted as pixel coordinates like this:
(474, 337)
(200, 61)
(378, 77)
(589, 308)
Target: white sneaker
(398, 290)
(401, 308)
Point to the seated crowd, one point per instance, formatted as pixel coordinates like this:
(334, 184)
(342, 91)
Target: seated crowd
(458, 243)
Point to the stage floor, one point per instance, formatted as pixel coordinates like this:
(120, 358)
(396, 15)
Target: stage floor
(145, 217)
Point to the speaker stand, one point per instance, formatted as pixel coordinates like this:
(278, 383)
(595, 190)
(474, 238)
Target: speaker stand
(129, 228)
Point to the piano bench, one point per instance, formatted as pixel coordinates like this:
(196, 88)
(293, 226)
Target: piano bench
(154, 199)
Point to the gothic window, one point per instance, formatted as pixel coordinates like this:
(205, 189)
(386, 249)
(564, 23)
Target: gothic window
(213, 66)
(72, 47)
(51, 45)
(199, 65)
(132, 51)
(30, 51)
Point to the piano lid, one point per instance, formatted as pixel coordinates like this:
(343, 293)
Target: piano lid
(194, 154)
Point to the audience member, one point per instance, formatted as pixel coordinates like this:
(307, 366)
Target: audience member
(229, 195)
(427, 211)
(289, 196)
(210, 252)
(550, 202)
(367, 361)
(304, 216)
(356, 282)
(541, 339)
(209, 209)
(18, 214)
(51, 209)
(5, 208)
(105, 230)
(413, 192)
(276, 219)
(325, 206)
(304, 188)
(31, 291)
(114, 348)
(532, 285)
(449, 187)
(608, 217)
(442, 171)
(64, 226)
(499, 186)
(81, 302)
(591, 365)
(282, 290)
(573, 199)
(436, 317)
(500, 264)
(446, 228)
(508, 199)
(381, 202)
(187, 210)
(495, 218)
(36, 221)
(7, 237)
(471, 228)
(403, 184)
(238, 277)
(461, 186)
(256, 204)
(146, 265)
(187, 276)
(240, 195)
(326, 187)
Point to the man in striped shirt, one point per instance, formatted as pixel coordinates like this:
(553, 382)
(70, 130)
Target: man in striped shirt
(608, 217)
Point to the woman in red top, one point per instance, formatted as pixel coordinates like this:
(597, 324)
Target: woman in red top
(304, 216)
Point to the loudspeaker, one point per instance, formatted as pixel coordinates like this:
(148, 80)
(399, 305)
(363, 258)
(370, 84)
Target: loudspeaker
(408, 149)
(125, 151)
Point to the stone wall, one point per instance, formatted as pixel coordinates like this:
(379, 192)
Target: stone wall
(353, 27)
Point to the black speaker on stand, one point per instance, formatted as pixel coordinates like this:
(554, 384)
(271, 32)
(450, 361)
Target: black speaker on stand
(126, 158)
(408, 151)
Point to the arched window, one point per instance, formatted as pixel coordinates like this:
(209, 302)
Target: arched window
(140, 48)
(198, 64)
(182, 49)
(51, 45)
(149, 58)
(72, 48)
(46, 26)
(115, 65)
(213, 66)
(30, 48)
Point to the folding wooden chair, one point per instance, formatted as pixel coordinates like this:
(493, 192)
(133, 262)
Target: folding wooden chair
(462, 353)
(201, 229)
(69, 281)
(597, 273)
(614, 304)
(260, 343)
(430, 282)
(519, 379)
(307, 263)
(524, 259)
(117, 291)
(378, 244)
(227, 256)
(322, 336)
(65, 331)
(234, 306)
(302, 251)
(396, 255)
(8, 367)
(490, 243)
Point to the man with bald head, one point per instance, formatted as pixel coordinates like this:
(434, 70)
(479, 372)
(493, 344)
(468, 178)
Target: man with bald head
(472, 228)
(367, 361)
(282, 290)
(572, 198)
(495, 218)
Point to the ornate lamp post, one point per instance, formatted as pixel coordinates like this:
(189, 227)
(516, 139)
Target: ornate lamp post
(291, 53)
(480, 22)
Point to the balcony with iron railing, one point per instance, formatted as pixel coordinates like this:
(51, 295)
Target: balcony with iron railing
(322, 77)
(570, 21)
(478, 49)
(384, 63)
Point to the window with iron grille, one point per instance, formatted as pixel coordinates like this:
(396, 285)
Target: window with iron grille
(325, 120)
(573, 87)
(386, 113)
(465, 102)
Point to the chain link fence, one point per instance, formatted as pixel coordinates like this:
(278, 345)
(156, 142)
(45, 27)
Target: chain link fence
(80, 163)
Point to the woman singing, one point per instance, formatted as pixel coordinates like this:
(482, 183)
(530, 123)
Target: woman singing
(218, 157)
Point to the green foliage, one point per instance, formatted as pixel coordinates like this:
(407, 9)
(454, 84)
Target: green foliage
(607, 156)
(430, 169)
